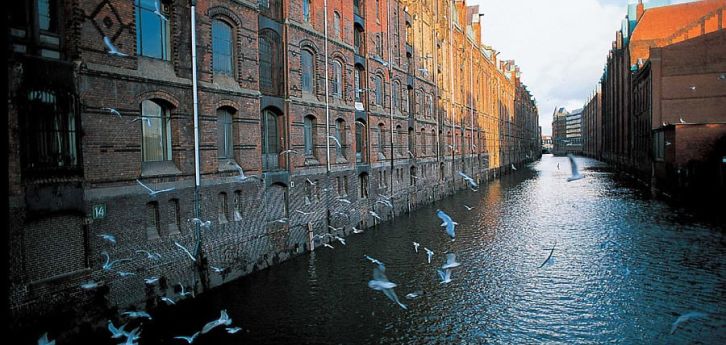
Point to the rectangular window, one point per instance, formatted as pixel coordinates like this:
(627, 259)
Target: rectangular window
(363, 186)
(659, 145)
(224, 135)
(152, 30)
(222, 208)
(237, 206)
(345, 185)
(174, 216)
(152, 220)
(306, 66)
(156, 131)
(308, 134)
(222, 47)
(306, 10)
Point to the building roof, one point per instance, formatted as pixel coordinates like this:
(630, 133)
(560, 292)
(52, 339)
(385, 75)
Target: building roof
(662, 22)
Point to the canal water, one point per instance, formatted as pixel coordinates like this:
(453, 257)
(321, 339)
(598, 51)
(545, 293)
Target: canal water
(624, 267)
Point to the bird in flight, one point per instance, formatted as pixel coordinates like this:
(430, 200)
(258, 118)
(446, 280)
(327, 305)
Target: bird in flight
(108, 237)
(186, 251)
(682, 120)
(43, 340)
(415, 246)
(188, 339)
(154, 192)
(137, 314)
(151, 280)
(89, 285)
(429, 254)
(223, 320)
(168, 300)
(448, 223)
(415, 294)
(204, 224)
(375, 215)
(450, 261)
(287, 151)
(472, 184)
(375, 261)
(157, 11)
(218, 269)
(150, 255)
(184, 292)
(385, 202)
(304, 213)
(310, 182)
(381, 283)
(328, 245)
(575, 173)
(233, 330)
(344, 200)
(549, 259)
(112, 111)
(445, 276)
(116, 332)
(513, 167)
(686, 317)
(109, 264)
(112, 50)
(143, 118)
(336, 140)
(468, 208)
(357, 231)
(242, 176)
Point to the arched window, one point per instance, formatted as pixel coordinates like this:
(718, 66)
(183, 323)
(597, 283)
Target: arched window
(336, 24)
(222, 47)
(306, 10)
(271, 139)
(361, 141)
(378, 81)
(225, 139)
(309, 135)
(379, 46)
(270, 66)
(340, 135)
(411, 141)
(152, 30)
(396, 94)
(337, 81)
(308, 75)
(422, 140)
(429, 106)
(358, 39)
(363, 186)
(156, 132)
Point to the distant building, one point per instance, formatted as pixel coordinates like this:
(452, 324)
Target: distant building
(546, 144)
(592, 125)
(559, 124)
(573, 132)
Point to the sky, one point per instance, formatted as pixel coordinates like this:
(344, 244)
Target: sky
(561, 46)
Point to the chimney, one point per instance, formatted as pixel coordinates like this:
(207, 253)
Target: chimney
(639, 10)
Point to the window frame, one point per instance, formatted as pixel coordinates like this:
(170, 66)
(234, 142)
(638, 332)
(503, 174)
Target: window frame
(225, 134)
(231, 42)
(164, 131)
(164, 32)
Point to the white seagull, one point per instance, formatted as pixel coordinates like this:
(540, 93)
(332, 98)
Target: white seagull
(143, 118)
(112, 111)
(157, 11)
(445, 276)
(168, 300)
(137, 314)
(335, 139)
(472, 184)
(415, 246)
(357, 231)
(112, 50)
(375, 215)
(109, 264)
(468, 208)
(204, 224)
(89, 285)
(513, 167)
(242, 175)
(125, 274)
(429, 253)
(414, 295)
(188, 339)
(151, 280)
(385, 202)
(218, 269)
(233, 330)
(287, 151)
(43, 340)
(328, 245)
(184, 292)
(448, 223)
(186, 251)
(154, 192)
(108, 237)
(575, 173)
(682, 120)
(450, 261)
(344, 200)
(150, 255)
(116, 332)
(304, 213)
(381, 283)
(687, 316)
(375, 261)
(223, 320)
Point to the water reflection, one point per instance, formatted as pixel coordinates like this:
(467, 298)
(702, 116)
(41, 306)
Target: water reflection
(626, 267)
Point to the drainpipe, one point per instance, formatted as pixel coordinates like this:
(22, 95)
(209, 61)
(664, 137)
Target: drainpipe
(390, 87)
(327, 96)
(197, 177)
(451, 101)
(471, 100)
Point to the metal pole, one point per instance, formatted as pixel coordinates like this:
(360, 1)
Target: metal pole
(451, 102)
(197, 176)
(390, 87)
(327, 100)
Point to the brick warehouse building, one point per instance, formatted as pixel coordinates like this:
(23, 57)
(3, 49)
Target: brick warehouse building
(666, 64)
(407, 89)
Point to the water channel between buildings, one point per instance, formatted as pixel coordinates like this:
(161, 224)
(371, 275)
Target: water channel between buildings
(625, 267)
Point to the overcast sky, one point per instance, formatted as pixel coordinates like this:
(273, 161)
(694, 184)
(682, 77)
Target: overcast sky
(560, 45)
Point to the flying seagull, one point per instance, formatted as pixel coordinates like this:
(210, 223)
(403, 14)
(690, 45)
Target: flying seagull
(150, 255)
(375, 261)
(381, 283)
(575, 173)
(144, 118)
(186, 251)
(137, 314)
(385, 202)
(513, 167)
(157, 11)
(233, 330)
(223, 320)
(204, 224)
(242, 176)
(112, 111)
(549, 258)
(415, 246)
(328, 245)
(188, 339)
(445, 276)
(184, 292)
(287, 151)
(448, 223)
(450, 261)
(336, 140)
(151, 280)
(218, 269)
(116, 332)
(89, 285)
(472, 184)
(357, 231)
(112, 50)
(43, 340)
(682, 120)
(168, 300)
(687, 316)
(108, 237)
(415, 294)
(125, 274)
(344, 200)
(375, 215)
(132, 336)
(429, 253)
(109, 264)
(154, 192)
(468, 208)
(310, 182)
(304, 213)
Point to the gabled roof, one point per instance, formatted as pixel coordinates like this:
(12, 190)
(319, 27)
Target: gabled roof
(662, 22)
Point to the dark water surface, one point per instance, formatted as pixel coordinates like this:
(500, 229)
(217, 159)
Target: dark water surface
(625, 268)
